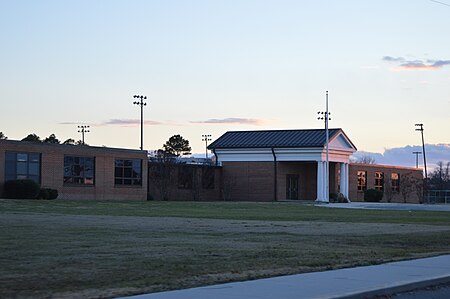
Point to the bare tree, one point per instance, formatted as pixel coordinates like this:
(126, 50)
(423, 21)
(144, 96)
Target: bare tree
(3, 136)
(161, 173)
(417, 188)
(387, 190)
(366, 159)
(406, 187)
(229, 183)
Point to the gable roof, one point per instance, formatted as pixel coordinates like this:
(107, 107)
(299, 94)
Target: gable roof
(275, 139)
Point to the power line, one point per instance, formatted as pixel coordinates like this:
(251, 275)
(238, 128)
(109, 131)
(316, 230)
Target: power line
(440, 2)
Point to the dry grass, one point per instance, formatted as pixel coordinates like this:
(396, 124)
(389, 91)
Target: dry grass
(88, 253)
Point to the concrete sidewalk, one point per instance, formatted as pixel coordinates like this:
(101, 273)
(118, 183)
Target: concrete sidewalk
(388, 206)
(357, 282)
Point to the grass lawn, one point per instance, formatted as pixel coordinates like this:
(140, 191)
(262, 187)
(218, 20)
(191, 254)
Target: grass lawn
(105, 249)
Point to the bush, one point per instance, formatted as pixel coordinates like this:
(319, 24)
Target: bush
(53, 194)
(338, 197)
(21, 189)
(372, 195)
(48, 193)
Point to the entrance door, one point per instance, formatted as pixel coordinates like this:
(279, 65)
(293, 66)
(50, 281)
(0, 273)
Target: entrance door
(291, 186)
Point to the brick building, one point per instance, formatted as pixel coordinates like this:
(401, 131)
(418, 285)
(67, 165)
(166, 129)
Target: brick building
(77, 172)
(177, 181)
(291, 164)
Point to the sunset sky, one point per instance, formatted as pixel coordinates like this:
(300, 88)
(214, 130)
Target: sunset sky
(208, 67)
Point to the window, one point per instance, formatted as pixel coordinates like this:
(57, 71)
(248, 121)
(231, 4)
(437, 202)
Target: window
(362, 180)
(208, 177)
(79, 170)
(128, 172)
(185, 177)
(379, 181)
(23, 166)
(395, 181)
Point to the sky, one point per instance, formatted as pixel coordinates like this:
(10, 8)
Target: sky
(208, 67)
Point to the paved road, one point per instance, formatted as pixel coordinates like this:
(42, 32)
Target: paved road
(434, 292)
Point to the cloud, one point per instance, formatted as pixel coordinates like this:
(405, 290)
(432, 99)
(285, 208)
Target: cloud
(72, 123)
(232, 120)
(404, 64)
(393, 59)
(128, 123)
(403, 156)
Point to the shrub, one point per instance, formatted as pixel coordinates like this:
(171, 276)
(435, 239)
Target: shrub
(338, 197)
(372, 195)
(48, 193)
(21, 189)
(43, 193)
(53, 194)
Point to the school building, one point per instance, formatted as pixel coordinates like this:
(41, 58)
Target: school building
(76, 171)
(270, 165)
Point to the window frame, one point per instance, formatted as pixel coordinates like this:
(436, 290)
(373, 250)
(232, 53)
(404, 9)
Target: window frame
(129, 176)
(395, 183)
(27, 161)
(379, 181)
(362, 180)
(79, 180)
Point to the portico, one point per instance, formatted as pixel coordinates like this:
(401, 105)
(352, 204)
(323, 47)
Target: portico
(293, 162)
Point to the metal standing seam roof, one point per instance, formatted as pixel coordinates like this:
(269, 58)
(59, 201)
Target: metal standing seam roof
(273, 139)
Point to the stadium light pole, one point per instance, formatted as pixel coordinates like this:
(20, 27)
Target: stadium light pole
(206, 138)
(326, 117)
(141, 103)
(417, 158)
(82, 130)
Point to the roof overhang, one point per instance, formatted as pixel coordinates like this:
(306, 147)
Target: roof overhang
(340, 148)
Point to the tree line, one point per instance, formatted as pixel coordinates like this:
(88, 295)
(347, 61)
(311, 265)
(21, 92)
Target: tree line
(50, 139)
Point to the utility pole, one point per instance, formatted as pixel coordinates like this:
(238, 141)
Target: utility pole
(326, 118)
(82, 131)
(141, 104)
(417, 158)
(425, 184)
(420, 128)
(206, 138)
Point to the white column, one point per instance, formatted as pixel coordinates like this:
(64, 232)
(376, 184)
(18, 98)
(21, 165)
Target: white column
(320, 181)
(347, 178)
(342, 178)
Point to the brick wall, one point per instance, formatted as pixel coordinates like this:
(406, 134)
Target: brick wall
(248, 181)
(163, 182)
(307, 174)
(52, 169)
(356, 195)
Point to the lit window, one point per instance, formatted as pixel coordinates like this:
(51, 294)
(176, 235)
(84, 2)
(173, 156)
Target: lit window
(379, 181)
(395, 180)
(362, 180)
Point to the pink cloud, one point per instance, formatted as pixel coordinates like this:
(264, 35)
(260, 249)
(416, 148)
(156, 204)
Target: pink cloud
(232, 120)
(404, 64)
